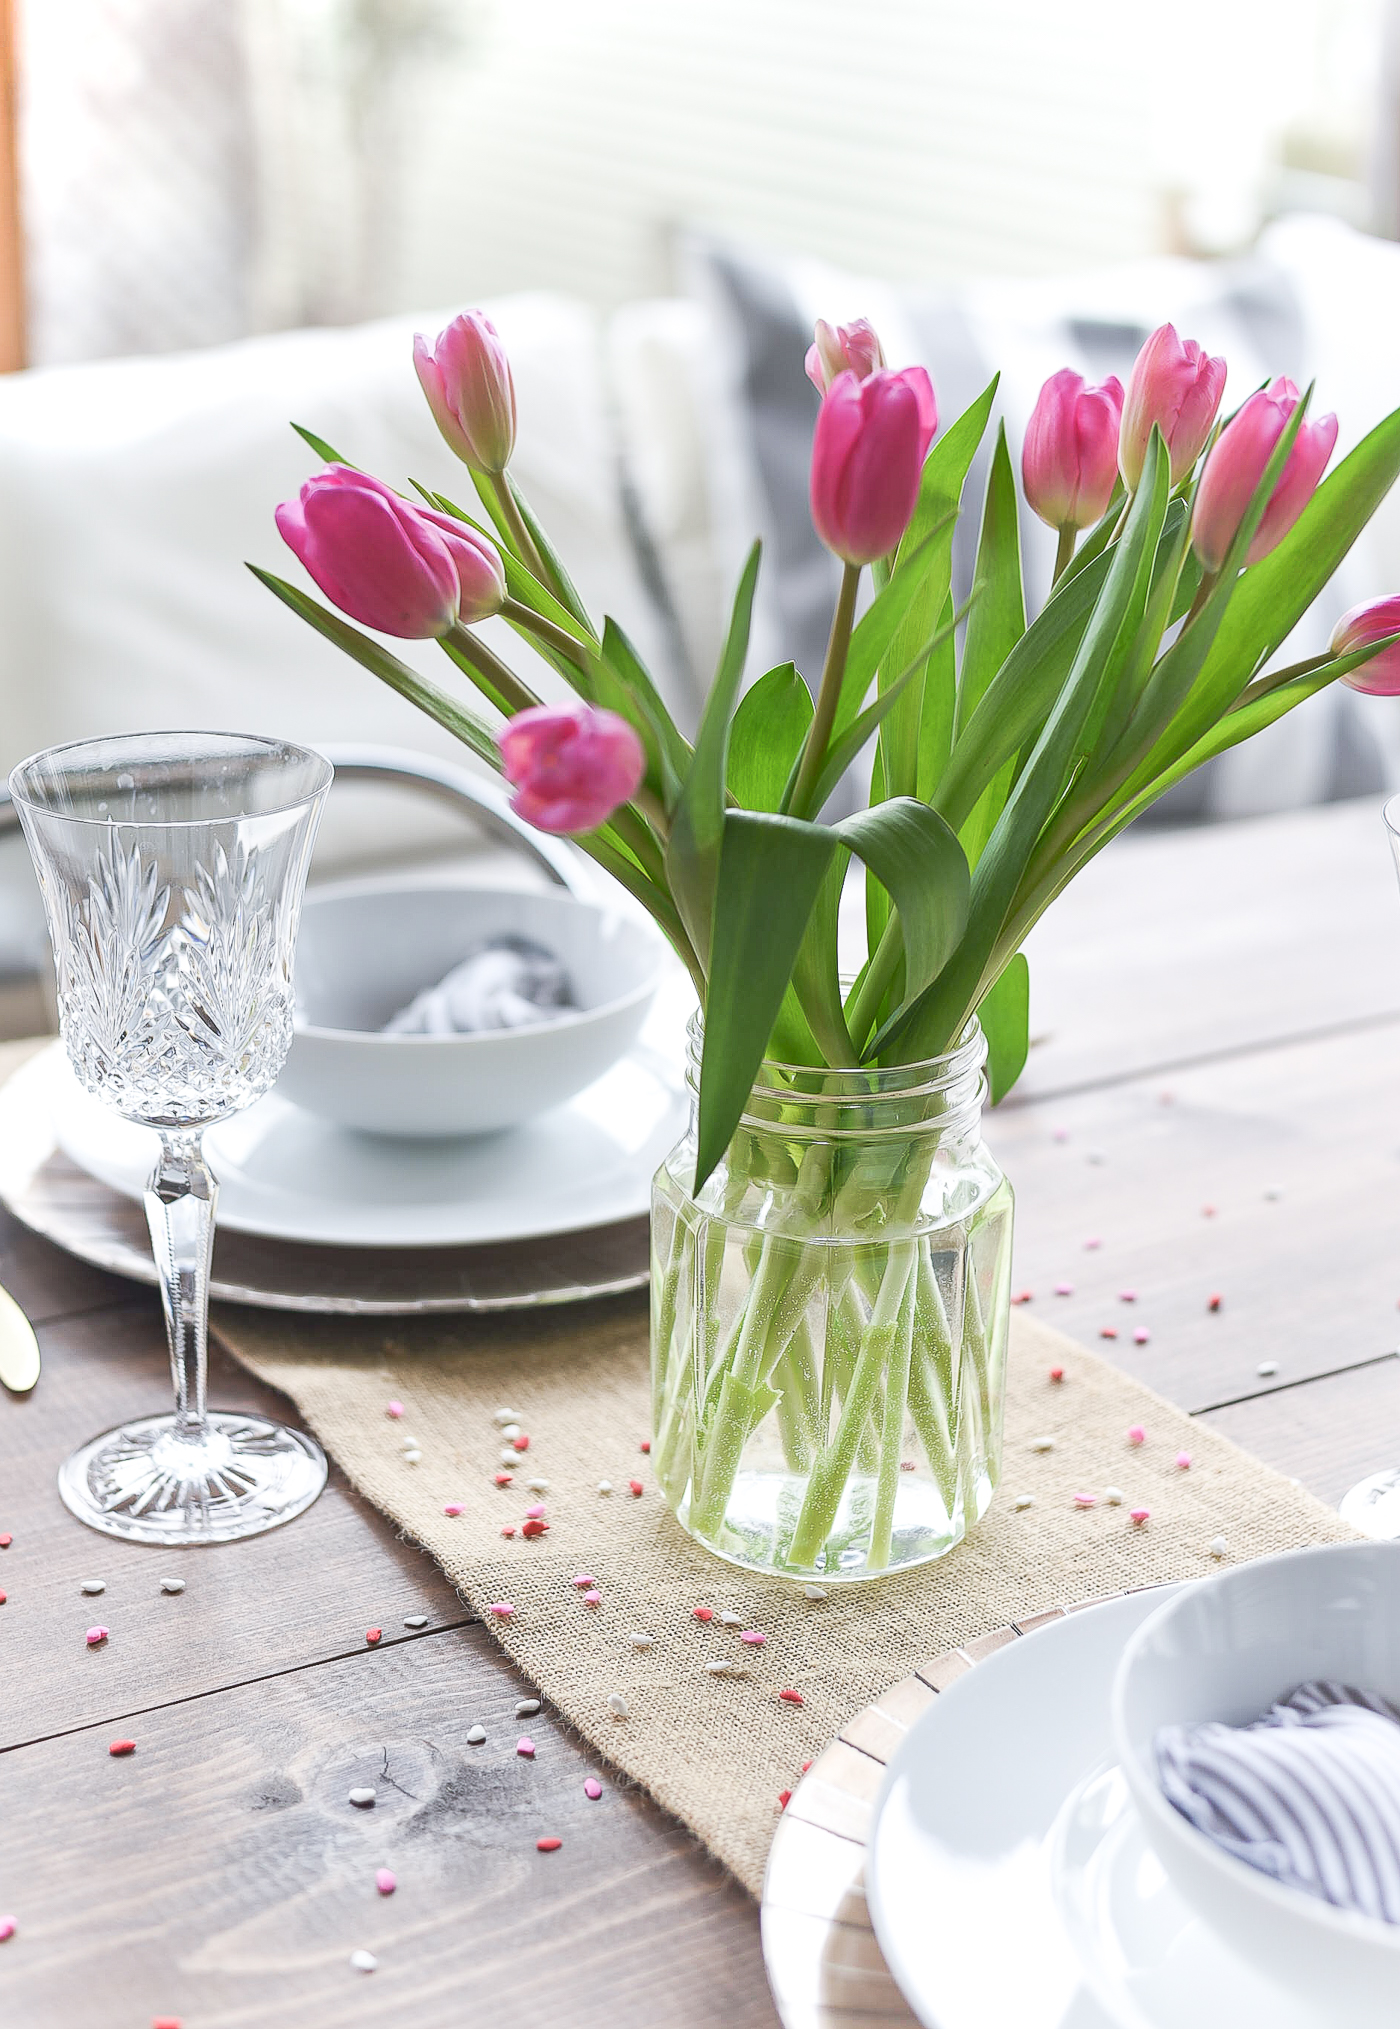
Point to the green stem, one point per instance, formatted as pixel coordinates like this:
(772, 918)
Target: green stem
(1064, 550)
(866, 1001)
(892, 1435)
(828, 693)
(511, 523)
(495, 678)
(554, 637)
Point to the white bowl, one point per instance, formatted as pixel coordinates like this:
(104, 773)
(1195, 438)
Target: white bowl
(365, 950)
(1226, 1649)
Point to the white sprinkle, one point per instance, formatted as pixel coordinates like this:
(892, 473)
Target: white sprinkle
(538, 1486)
(605, 1486)
(526, 1708)
(475, 1735)
(1218, 1546)
(1042, 1444)
(641, 1641)
(1273, 1195)
(731, 1620)
(505, 1416)
(511, 1432)
(1022, 1501)
(409, 1444)
(412, 1457)
(1266, 1367)
(363, 1798)
(1113, 1496)
(92, 1586)
(814, 1592)
(618, 1706)
(1095, 1155)
(511, 1457)
(416, 1620)
(725, 1669)
(363, 1962)
(168, 1585)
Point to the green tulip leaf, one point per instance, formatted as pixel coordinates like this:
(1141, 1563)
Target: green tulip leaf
(766, 736)
(1005, 1015)
(996, 624)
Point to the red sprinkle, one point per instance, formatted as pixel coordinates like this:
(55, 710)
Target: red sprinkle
(1207, 1211)
(1057, 1373)
(791, 1697)
(525, 1747)
(645, 1444)
(508, 1530)
(1214, 1302)
(1027, 1296)
(2, 1598)
(504, 1479)
(521, 1443)
(122, 1747)
(592, 1788)
(548, 1845)
(166, 2022)
(374, 1635)
(5, 1542)
(805, 1766)
(636, 1488)
(534, 1528)
(1108, 1331)
(703, 1612)
(784, 1799)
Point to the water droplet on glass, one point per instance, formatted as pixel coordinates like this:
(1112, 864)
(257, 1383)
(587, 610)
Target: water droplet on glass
(126, 781)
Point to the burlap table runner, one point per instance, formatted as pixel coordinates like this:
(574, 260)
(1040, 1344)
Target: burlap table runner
(716, 1750)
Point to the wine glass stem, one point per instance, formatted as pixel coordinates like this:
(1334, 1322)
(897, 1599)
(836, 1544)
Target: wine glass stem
(180, 1201)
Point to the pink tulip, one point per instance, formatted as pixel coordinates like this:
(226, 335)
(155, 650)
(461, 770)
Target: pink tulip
(1380, 677)
(400, 569)
(571, 765)
(1070, 458)
(1236, 465)
(842, 348)
(868, 452)
(467, 379)
(1178, 387)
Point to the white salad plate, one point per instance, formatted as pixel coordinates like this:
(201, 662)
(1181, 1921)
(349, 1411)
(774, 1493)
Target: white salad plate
(1009, 1880)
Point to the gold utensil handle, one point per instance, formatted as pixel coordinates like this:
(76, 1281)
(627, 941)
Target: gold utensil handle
(19, 1349)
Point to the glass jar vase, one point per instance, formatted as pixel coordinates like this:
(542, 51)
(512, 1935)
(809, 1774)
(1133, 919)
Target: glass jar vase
(829, 1319)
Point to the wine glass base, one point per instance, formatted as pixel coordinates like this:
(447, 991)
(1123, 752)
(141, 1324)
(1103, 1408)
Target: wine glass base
(1373, 1505)
(150, 1483)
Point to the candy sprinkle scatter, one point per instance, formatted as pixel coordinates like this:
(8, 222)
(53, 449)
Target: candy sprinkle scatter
(752, 1636)
(363, 1962)
(1057, 1373)
(525, 1747)
(1141, 1335)
(362, 1799)
(1127, 1296)
(1218, 1546)
(592, 1787)
(908, 1465)
(385, 1882)
(634, 1487)
(526, 1708)
(1086, 1500)
(92, 1586)
(618, 1705)
(814, 1592)
(476, 1736)
(1022, 1502)
(1183, 1461)
(96, 1636)
(373, 1636)
(394, 1409)
(1136, 1434)
(702, 1613)
(1214, 1302)
(1140, 1515)
(548, 1845)
(1207, 1211)
(502, 1610)
(605, 1486)
(1266, 1368)
(791, 1697)
(172, 1585)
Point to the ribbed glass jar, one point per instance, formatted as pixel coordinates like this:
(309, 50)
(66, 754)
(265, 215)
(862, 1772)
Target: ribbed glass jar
(829, 1318)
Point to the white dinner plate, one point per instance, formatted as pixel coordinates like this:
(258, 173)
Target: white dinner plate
(1009, 1882)
(286, 1175)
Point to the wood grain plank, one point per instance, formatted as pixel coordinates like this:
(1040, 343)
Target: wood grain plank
(1327, 1433)
(221, 1875)
(294, 1596)
(1177, 944)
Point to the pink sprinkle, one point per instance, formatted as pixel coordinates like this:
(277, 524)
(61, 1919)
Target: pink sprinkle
(394, 1409)
(1064, 1289)
(592, 1598)
(533, 1514)
(95, 1635)
(1027, 1296)
(592, 1787)
(1092, 1246)
(384, 1881)
(7, 1928)
(1086, 1500)
(1127, 1296)
(1207, 1211)
(508, 1530)
(584, 1579)
(1060, 1134)
(525, 1747)
(1136, 1434)
(1183, 1460)
(502, 1610)
(908, 1465)
(1057, 1373)
(1140, 1515)
(1108, 1331)
(453, 1508)
(1214, 1302)
(752, 1636)
(1141, 1335)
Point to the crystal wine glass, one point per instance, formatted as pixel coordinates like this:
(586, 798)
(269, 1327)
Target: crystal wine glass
(172, 867)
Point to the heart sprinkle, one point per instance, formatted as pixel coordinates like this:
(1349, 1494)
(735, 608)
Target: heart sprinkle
(96, 1636)
(1218, 1546)
(453, 1508)
(92, 1586)
(641, 1641)
(172, 1585)
(1183, 1461)
(592, 1598)
(791, 1697)
(8, 1927)
(1057, 1373)
(502, 1610)
(394, 1409)
(1136, 1434)
(605, 1486)
(752, 1636)
(634, 1487)
(1141, 1335)
(583, 1580)
(1086, 1500)
(476, 1736)
(814, 1592)
(525, 1747)
(548, 1845)
(373, 1636)
(362, 1799)
(120, 1747)
(618, 1705)
(534, 1527)
(702, 1613)
(363, 1962)
(592, 1787)
(416, 1620)
(1140, 1515)
(526, 1708)
(504, 1479)
(385, 1882)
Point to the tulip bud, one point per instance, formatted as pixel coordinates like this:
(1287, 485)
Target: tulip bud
(843, 348)
(1178, 387)
(868, 452)
(386, 563)
(1380, 677)
(1069, 461)
(571, 765)
(467, 379)
(1237, 463)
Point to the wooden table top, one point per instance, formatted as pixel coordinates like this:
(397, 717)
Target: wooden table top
(1217, 1022)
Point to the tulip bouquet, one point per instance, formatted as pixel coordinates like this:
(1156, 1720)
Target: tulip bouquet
(830, 1288)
